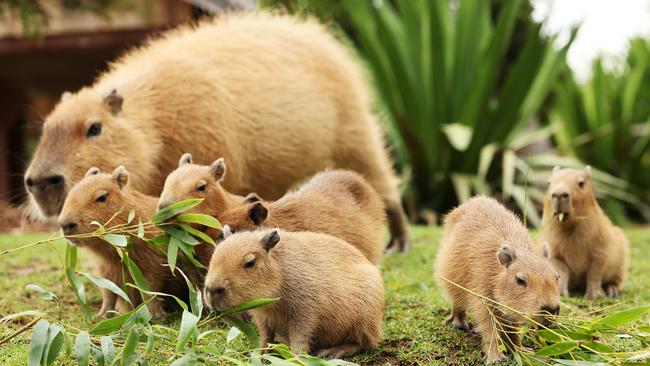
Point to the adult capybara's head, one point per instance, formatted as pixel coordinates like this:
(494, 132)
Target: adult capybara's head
(569, 194)
(97, 197)
(85, 129)
(196, 181)
(242, 268)
(527, 283)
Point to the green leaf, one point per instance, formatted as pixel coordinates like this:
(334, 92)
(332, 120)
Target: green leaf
(188, 326)
(130, 346)
(233, 334)
(458, 135)
(180, 302)
(108, 349)
(71, 256)
(205, 220)
(198, 233)
(135, 272)
(56, 338)
(131, 216)
(82, 349)
(180, 235)
(141, 315)
(116, 239)
(252, 304)
(559, 335)
(97, 355)
(189, 253)
(196, 301)
(246, 328)
(37, 343)
(175, 209)
(107, 284)
(187, 360)
(77, 284)
(557, 349)
(109, 326)
(45, 294)
(172, 253)
(140, 229)
(623, 317)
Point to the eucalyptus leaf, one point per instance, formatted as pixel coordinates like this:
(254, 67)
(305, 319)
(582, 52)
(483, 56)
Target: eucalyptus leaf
(205, 220)
(45, 294)
(188, 326)
(557, 349)
(107, 284)
(174, 209)
(37, 343)
(116, 239)
(82, 349)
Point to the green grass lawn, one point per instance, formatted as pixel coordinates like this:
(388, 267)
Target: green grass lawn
(414, 329)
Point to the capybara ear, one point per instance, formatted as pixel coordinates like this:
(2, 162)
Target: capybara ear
(226, 231)
(65, 96)
(556, 168)
(252, 197)
(506, 256)
(588, 171)
(546, 249)
(218, 169)
(185, 159)
(257, 213)
(121, 176)
(270, 240)
(92, 171)
(114, 102)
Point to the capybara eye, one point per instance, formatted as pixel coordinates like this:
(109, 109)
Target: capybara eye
(521, 281)
(249, 264)
(201, 188)
(94, 129)
(581, 183)
(102, 198)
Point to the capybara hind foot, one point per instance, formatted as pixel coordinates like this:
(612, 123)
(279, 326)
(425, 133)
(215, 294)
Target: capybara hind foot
(343, 350)
(594, 292)
(400, 240)
(458, 320)
(495, 356)
(612, 290)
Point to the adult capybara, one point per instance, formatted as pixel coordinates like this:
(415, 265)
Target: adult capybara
(589, 252)
(487, 250)
(331, 299)
(108, 199)
(336, 202)
(278, 97)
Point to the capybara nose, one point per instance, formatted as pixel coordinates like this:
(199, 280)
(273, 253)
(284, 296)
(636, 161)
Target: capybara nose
(68, 227)
(553, 310)
(39, 183)
(563, 196)
(163, 204)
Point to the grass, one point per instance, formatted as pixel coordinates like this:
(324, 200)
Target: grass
(414, 330)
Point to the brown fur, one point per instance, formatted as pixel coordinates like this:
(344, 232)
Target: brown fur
(339, 203)
(81, 208)
(278, 97)
(331, 298)
(484, 249)
(589, 252)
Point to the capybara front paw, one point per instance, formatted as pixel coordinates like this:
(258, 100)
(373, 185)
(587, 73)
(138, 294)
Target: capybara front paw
(594, 293)
(338, 352)
(495, 357)
(612, 290)
(458, 322)
(157, 309)
(400, 244)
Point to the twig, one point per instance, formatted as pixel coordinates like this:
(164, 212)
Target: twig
(21, 330)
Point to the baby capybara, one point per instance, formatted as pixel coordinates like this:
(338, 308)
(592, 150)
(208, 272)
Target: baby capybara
(331, 299)
(103, 197)
(487, 250)
(340, 203)
(589, 252)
